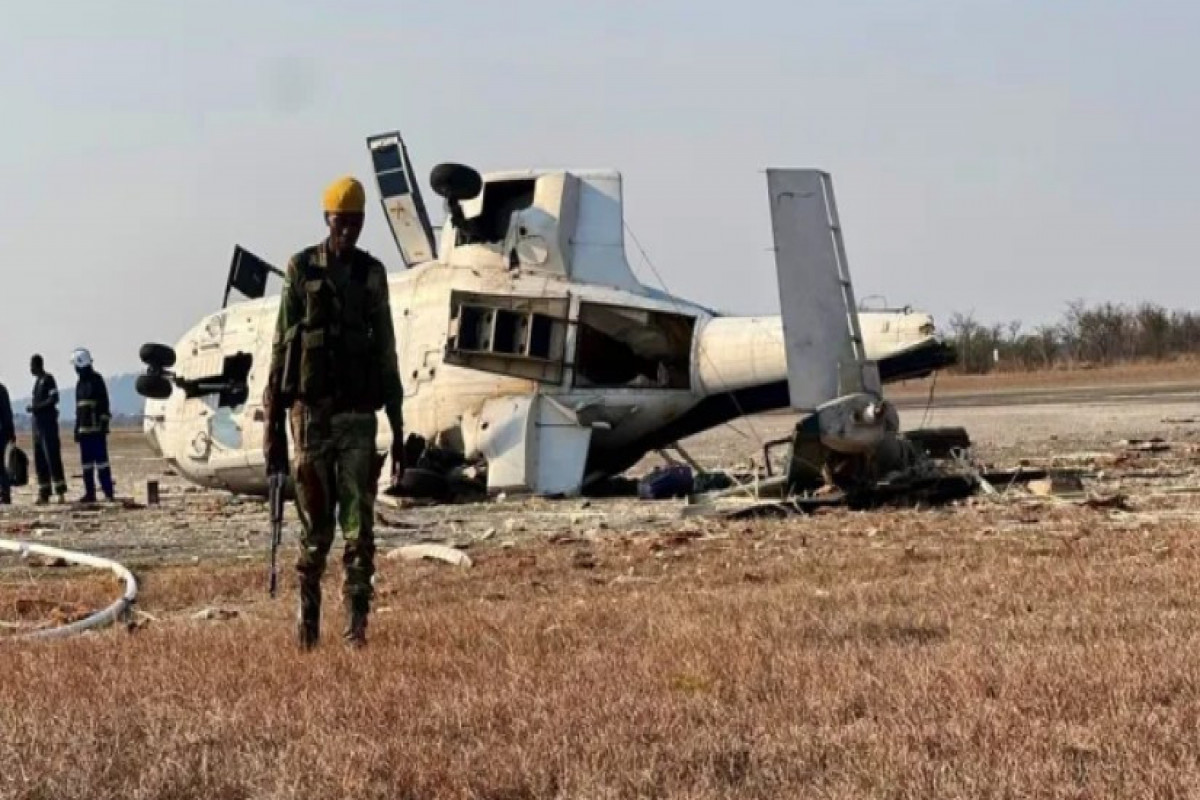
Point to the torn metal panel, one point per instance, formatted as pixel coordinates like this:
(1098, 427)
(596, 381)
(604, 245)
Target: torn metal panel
(531, 443)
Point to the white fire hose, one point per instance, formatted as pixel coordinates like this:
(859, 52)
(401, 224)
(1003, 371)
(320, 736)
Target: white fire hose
(101, 618)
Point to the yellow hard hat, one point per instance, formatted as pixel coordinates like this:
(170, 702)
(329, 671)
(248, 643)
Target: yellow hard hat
(345, 195)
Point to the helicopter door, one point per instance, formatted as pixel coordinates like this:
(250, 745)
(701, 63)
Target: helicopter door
(401, 197)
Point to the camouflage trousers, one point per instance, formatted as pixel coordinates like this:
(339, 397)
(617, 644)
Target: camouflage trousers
(337, 472)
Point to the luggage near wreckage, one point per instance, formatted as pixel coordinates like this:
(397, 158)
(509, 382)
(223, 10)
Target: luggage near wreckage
(17, 466)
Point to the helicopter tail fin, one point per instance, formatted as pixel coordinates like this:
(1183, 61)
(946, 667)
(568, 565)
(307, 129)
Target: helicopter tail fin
(822, 338)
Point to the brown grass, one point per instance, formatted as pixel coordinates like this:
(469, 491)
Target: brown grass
(970, 653)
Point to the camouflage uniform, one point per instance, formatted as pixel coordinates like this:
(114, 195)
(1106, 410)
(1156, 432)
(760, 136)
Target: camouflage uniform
(334, 355)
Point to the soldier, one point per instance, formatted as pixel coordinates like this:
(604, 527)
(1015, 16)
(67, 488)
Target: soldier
(47, 451)
(92, 416)
(8, 436)
(333, 366)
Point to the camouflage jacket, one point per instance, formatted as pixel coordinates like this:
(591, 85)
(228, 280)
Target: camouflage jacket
(334, 338)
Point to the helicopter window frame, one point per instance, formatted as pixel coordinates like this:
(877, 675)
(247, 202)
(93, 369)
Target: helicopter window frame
(608, 354)
(519, 336)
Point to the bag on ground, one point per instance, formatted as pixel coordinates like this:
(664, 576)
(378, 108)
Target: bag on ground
(17, 466)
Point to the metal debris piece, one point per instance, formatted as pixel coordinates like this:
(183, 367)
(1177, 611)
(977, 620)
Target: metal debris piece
(1153, 445)
(1116, 501)
(214, 614)
(434, 552)
(1056, 484)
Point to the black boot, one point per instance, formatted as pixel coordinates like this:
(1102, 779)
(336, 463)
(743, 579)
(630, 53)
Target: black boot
(357, 607)
(308, 621)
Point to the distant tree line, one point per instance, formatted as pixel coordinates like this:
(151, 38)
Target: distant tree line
(1102, 334)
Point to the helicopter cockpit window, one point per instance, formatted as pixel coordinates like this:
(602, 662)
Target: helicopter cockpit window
(235, 376)
(633, 348)
(226, 395)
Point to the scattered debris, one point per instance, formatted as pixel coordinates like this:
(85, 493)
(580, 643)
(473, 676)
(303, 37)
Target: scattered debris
(44, 561)
(939, 442)
(1056, 484)
(434, 552)
(675, 539)
(215, 614)
(1116, 501)
(1153, 445)
(666, 482)
(583, 559)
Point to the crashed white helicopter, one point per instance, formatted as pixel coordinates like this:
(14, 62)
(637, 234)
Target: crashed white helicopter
(527, 345)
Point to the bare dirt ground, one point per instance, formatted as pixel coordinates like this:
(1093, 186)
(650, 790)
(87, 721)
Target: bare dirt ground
(1023, 646)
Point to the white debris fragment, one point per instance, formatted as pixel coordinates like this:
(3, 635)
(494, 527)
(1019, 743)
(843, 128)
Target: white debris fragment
(215, 614)
(435, 552)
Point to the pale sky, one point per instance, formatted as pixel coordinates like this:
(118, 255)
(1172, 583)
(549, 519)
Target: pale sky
(995, 157)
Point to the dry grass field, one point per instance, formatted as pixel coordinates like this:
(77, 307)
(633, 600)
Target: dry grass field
(1020, 647)
(848, 655)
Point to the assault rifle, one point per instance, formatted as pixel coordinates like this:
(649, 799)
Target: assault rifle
(277, 474)
(276, 483)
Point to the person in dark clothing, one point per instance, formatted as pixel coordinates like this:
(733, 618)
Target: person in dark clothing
(8, 436)
(47, 450)
(92, 416)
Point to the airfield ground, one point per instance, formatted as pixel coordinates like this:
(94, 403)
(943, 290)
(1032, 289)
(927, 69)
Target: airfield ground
(1013, 647)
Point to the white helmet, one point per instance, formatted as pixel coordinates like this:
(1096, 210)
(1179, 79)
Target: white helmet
(81, 358)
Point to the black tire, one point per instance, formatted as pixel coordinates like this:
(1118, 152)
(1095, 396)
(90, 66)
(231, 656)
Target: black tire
(157, 355)
(455, 181)
(154, 387)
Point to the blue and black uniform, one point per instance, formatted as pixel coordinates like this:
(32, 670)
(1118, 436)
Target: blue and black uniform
(92, 416)
(47, 449)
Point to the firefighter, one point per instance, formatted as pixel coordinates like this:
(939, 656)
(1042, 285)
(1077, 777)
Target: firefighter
(333, 367)
(8, 436)
(47, 449)
(92, 417)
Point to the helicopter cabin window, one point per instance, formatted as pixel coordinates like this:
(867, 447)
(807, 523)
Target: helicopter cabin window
(520, 336)
(633, 348)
